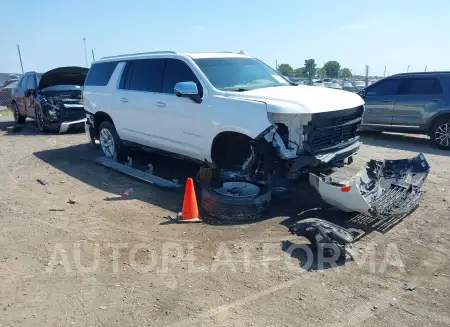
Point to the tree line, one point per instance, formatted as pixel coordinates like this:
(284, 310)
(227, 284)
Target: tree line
(330, 69)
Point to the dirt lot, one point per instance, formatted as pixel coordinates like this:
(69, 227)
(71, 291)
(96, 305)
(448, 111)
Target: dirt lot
(107, 260)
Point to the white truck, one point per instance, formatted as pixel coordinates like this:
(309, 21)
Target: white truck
(220, 109)
(232, 113)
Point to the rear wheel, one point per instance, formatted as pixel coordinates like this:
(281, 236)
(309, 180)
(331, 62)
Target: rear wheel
(110, 142)
(18, 118)
(440, 133)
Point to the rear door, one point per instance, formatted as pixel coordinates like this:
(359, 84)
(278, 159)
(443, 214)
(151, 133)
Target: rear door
(380, 99)
(135, 99)
(19, 95)
(29, 97)
(417, 97)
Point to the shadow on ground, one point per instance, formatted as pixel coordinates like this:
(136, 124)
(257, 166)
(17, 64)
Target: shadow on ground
(300, 202)
(407, 142)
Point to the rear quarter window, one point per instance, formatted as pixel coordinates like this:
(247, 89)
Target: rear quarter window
(99, 74)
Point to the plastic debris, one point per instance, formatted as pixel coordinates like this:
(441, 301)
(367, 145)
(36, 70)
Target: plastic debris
(128, 192)
(410, 287)
(41, 181)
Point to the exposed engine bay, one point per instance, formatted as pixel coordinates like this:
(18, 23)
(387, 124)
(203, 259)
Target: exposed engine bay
(63, 105)
(297, 143)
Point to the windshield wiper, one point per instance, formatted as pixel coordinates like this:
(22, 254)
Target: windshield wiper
(241, 89)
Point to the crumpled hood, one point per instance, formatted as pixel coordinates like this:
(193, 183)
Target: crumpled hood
(301, 99)
(63, 76)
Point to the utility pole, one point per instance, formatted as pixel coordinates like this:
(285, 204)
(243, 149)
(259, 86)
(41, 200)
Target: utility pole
(85, 53)
(425, 68)
(407, 70)
(276, 65)
(367, 75)
(93, 57)
(384, 74)
(20, 58)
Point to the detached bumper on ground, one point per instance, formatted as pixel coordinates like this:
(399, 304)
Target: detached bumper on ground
(381, 189)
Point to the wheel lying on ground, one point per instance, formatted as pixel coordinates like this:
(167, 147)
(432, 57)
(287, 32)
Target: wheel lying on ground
(235, 200)
(18, 118)
(440, 133)
(110, 142)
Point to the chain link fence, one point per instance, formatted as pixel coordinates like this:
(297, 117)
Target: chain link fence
(7, 84)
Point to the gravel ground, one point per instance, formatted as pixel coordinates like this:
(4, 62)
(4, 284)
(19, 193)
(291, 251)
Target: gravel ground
(76, 253)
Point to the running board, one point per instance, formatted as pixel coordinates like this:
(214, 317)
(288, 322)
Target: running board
(138, 174)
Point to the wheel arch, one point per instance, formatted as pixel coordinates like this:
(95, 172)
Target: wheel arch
(100, 117)
(435, 118)
(228, 138)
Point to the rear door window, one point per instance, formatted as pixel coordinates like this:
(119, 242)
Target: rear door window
(178, 71)
(143, 75)
(383, 88)
(419, 86)
(100, 73)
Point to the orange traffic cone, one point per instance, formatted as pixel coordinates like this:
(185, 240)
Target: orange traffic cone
(189, 212)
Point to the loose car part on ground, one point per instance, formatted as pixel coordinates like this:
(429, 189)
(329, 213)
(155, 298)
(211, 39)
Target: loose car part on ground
(383, 188)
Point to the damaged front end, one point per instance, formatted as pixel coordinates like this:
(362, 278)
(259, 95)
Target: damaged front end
(60, 97)
(383, 188)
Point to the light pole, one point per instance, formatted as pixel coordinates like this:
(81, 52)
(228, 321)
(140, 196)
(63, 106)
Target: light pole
(20, 58)
(85, 53)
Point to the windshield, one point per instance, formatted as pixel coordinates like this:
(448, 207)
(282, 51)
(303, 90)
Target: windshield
(239, 74)
(38, 77)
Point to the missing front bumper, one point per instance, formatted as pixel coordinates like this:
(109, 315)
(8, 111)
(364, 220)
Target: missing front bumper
(381, 189)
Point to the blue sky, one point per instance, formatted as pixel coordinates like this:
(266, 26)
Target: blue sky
(395, 33)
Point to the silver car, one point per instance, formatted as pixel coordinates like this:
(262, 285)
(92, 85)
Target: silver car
(410, 103)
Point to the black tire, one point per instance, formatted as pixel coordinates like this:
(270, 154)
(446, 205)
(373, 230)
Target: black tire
(234, 209)
(91, 136)
(440, 126)
(18, 118)
(120, 150)
(41, 120)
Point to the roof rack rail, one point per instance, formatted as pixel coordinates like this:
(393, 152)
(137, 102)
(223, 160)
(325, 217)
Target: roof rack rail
(138, 54)
(424, 73)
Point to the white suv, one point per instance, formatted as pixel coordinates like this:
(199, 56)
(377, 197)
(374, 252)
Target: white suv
(220, 109)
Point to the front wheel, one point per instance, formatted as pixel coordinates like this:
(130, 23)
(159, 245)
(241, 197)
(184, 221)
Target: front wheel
(18, 118)
(41, 120)
(440, 133)
(110, 142)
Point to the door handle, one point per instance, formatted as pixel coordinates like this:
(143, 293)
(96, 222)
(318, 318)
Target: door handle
(160, 104)
(123, 100)
(385, 100)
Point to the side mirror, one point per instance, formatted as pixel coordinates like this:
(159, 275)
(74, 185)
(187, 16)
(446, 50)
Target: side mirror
(362, 93)
(187, 90)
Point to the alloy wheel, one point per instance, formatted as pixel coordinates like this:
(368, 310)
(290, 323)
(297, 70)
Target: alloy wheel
(107, 143)
(442, 135)
(40, 120)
